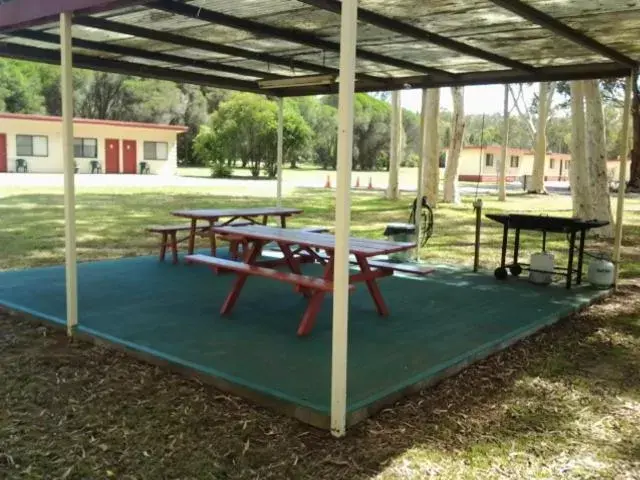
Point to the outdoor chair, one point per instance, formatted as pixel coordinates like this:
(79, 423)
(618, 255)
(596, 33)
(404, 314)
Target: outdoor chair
(21, 165)
(95, 166)
(144, 168)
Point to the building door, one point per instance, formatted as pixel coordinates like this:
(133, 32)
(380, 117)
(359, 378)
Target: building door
(129, 157)
(112, 155)
(3, 152)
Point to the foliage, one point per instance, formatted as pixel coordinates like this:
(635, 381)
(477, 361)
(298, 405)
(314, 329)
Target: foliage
(244, 128)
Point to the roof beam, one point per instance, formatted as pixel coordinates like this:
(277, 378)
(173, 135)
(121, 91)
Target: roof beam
(288, 34)
(550, 23)
(148, 55)
(409, 30)
(188, 42)
(51, 56)
(543, 74)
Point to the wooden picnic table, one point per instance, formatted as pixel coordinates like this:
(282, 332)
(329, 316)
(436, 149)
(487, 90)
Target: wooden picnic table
(298, 246)
(226, 216)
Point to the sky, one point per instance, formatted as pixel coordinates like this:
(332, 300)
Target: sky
(477, 100)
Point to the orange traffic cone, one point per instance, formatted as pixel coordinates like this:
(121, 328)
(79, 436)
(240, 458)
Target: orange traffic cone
(370, 187)
(357, 182)
(327, 184)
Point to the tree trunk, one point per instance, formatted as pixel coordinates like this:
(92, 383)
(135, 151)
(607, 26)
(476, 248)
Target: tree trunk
(451, 194)
(394, 151)
(502, 168)
(544, 104)
(596, 149)
(634, 177)
(431, 174)
(579, 171)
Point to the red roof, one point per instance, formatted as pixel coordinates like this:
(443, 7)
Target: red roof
(90, 121)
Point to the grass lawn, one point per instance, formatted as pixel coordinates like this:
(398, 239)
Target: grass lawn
(565, 403)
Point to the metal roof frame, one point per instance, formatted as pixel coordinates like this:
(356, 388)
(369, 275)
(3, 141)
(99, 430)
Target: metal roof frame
(161, 62)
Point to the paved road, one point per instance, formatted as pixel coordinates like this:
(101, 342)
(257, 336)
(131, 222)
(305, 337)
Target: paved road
(226, 186)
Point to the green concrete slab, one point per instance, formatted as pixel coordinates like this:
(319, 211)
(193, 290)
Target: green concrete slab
(437, 325)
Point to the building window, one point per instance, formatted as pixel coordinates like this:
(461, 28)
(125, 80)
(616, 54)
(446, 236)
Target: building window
(156, 150)
(515, 161)
(488, 160)
(552, 163)
(32, 145)
(442, 160)
(85, 148)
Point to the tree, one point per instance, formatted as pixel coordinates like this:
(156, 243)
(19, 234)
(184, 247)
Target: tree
(431, 147)
(596, 154)
(296, 135)
(536, 116)
(395, 151)
(502, 167)
(451, 194)
(579, 171)
(245, 127)
(20, 89)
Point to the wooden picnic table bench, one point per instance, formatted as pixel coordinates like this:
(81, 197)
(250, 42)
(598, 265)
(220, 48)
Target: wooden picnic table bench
(296, 247)
(169, 236)
(226, 216)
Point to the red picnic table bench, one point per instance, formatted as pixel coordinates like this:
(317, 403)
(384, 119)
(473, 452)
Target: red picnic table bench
(298, 246)
(230, 216)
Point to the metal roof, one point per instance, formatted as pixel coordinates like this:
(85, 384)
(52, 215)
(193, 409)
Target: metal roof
(401, 43)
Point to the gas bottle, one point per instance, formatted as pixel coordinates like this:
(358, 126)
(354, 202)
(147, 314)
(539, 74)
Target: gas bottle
(601, 273)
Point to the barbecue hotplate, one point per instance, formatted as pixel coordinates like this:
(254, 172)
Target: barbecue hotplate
(545, 223)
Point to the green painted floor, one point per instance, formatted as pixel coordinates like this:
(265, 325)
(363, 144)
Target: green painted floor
(448, 318)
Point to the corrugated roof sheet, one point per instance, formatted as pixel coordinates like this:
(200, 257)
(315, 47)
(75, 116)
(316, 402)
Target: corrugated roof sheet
(405, 59)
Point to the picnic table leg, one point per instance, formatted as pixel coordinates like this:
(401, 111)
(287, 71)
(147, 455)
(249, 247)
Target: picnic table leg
(240, 280)
(212, 238)
(163, 246)
(372, 286)
(293, 264)
(264, 219)
(192, 236)
(310, 314)
(174, 247)
(283, 221)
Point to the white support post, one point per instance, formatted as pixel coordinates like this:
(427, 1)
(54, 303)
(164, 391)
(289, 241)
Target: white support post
(280, 152)
(66, 64)
(348, 37)
(622, 185)
(421, 167)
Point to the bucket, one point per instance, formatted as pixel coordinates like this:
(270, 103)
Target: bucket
(400, 232)
(541, 272)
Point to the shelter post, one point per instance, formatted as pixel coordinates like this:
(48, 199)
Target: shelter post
(71, 272)
(623, 177)
(279, 154)
(421, 167)
(348, 38)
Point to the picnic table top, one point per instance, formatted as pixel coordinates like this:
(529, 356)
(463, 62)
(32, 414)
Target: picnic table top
(360, 246)
(208, 213)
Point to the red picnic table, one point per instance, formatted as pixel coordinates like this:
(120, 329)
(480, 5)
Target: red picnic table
(301, 246)
(231, 215)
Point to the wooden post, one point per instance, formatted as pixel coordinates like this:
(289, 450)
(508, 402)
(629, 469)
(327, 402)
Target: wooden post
(431, 172)
(348, 37)
(617, 243)
(394, 151)
(66, 87)
(477, 207)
